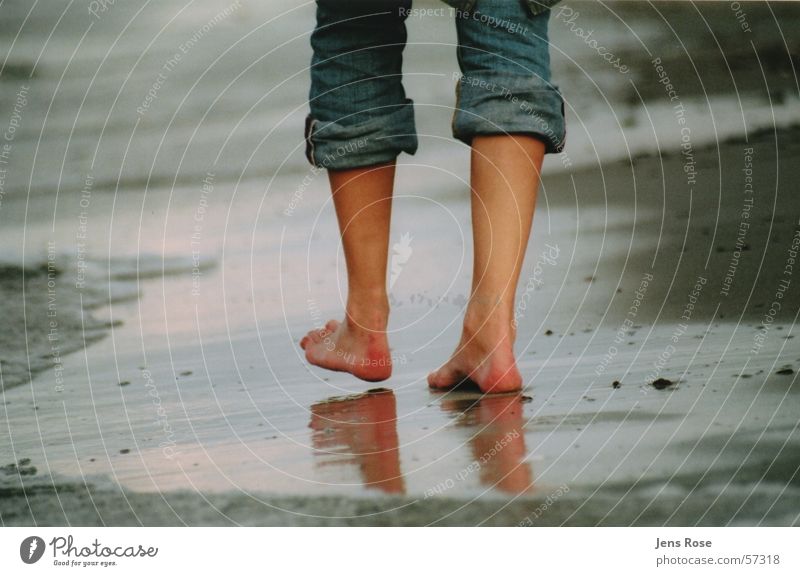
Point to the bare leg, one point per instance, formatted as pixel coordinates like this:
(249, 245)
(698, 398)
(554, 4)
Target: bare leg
(362, 430)
(505, 179)
(363, 201)
(493, 420)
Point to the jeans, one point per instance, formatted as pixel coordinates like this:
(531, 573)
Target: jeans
(360, 115)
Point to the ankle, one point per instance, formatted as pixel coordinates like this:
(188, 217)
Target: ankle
(369, 313)
(488, 313)
(488, 334)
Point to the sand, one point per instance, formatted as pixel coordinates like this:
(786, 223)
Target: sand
(185, 281)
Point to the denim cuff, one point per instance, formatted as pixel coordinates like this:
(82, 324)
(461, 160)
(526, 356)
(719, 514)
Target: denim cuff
(498, 102)
(380, 139)
(535, 7)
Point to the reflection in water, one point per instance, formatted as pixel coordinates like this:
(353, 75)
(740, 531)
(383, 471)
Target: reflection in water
(498, 445)
(360, 430)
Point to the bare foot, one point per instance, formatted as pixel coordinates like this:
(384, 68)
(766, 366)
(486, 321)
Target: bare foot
(485, 356)
(349, 347)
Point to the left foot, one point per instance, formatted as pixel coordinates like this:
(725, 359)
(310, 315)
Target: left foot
(351, 347)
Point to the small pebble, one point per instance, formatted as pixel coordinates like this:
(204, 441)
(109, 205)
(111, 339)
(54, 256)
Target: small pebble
(662, 383)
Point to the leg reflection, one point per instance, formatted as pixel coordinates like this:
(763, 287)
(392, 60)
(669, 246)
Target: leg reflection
(360, 430)
(498, 443)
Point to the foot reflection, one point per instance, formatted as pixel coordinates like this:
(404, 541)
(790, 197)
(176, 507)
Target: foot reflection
(498, 444)
(360, 430)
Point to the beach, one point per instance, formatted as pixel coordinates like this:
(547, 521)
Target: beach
(165, 246)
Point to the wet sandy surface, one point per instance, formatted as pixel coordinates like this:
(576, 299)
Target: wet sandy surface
(197, 408)
(216, 407)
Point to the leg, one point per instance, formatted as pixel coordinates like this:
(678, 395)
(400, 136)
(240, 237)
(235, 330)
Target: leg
(494, 420)
(361, 430)
(505, 177)
(360, 121)
(510, 114)
(363, 201)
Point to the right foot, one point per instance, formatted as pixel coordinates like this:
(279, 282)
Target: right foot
(485, 356)
(350, 347)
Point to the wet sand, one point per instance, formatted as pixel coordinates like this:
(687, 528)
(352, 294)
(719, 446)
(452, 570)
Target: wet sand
(196, 407)
(238, 429)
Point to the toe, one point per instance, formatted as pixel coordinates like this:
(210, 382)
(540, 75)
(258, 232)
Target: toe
(439, 379)
(432, 380)
(313, 337)
(311, 357)
(332, 325)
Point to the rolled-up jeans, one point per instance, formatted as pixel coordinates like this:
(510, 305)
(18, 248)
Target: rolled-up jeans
(360, 115)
